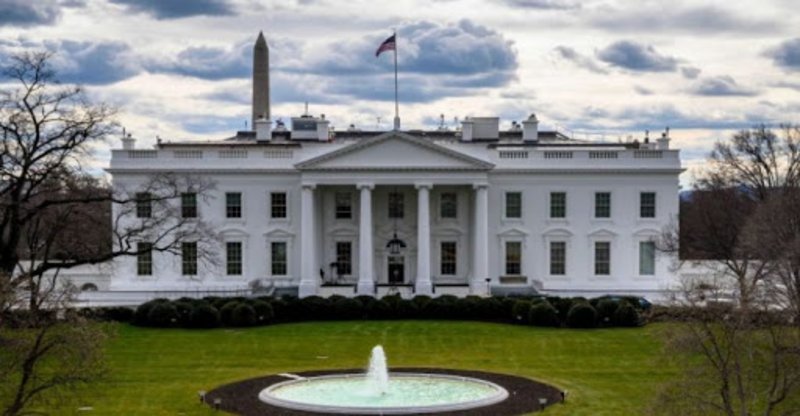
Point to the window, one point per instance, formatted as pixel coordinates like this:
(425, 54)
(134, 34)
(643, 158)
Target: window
(344, 258)
(344, 206)
(647, 205)
(513, 205)
(144, 260)
(513, 258)
(278, 264)
(602, 258)
(448, 257)
(558, 204)
(448, 205)
(233, 250)
(602, 204)
(144, 205)
(647, 258)
(395, 205)
(233, 204)
(558, 258)
(277, 204)
(189, 205)
(189, 258)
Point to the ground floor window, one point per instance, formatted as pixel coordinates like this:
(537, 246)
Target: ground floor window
(647, 258)
(278, 266)
(602, 258)
(189, 258)
(233, 251)
(144, 260)
(448, 257)
(344, 258)
(513, 258)
(558, 258)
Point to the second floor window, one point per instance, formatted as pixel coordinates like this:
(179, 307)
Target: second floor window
(344, 206)
(395, 205)
(189, 258)
(233, 204)
(448, 205)
(189, 205)
(602, 205)
(647, 205)
(602, 258)
(558, 204)
(233, 256)
(277, 207)
(144, 260)
(448, 257)
(144, 205)
(513, 205)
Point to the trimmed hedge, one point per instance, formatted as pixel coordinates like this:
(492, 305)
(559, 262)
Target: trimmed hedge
(582, 315)
(626, 315)
(543, 314)
(163, 315)
(204, 316)
(243, 315)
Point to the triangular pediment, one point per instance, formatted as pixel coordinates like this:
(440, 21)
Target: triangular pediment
(394, 151)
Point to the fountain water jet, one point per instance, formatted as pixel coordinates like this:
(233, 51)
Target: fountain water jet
(378, 372)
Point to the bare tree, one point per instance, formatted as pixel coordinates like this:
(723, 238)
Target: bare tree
(55, 216)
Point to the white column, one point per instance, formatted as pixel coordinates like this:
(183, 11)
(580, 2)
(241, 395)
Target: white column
(480, 258)
(309, 270)
(423, 282)
(366, 278)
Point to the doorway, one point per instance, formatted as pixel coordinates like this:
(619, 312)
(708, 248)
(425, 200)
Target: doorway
(396, 270)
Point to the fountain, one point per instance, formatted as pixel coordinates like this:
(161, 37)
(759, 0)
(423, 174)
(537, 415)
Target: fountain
(381, 392)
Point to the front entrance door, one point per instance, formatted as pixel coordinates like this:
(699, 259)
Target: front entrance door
(396, 269)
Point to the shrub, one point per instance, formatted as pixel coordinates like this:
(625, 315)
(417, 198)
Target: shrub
(163, 314)
(543, 314)
(392, 300)
(116, 314)
(605, 310)
(204, 316)
(520, 311)
(442, 307)
(380, 309)
(288, 309)
(226, 312)
(347, 309)
(140, 317)
(582, 315)
(508, 307)
(491, 308)
(365, 300)
(263, 310)
(407, 309)
(468, 308)
(626, 315)
(184, 310)
(421, 301)
(314, 308)
(243, 315)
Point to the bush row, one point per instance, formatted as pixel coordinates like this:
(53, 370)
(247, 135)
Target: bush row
(212, 312)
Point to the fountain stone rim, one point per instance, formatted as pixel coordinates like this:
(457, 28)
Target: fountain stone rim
(500, 394)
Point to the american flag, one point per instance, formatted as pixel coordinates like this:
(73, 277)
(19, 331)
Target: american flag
(387, 45)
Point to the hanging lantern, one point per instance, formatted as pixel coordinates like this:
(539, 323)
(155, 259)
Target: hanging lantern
(395, 245)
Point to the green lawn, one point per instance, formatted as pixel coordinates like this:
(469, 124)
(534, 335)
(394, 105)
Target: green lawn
(158, 372)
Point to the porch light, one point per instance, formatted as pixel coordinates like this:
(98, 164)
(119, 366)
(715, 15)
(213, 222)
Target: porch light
(395, 245)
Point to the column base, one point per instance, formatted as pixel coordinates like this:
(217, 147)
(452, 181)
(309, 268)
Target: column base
(479, 288)
(366, 287)
(423, 288)
(307, 289)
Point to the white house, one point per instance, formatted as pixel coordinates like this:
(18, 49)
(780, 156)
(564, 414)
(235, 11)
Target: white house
(427, 212)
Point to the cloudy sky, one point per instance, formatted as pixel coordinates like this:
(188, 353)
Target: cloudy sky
(603, 70)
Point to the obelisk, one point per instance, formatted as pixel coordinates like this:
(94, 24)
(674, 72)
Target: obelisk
(260, 80)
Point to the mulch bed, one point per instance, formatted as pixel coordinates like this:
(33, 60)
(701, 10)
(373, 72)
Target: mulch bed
(523, 394)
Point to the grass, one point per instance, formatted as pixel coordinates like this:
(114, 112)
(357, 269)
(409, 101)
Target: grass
(158, 371)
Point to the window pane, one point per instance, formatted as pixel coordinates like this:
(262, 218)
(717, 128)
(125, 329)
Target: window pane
(233, 205)
(189, 205)
(602, 204)
(647, 258)
(144, 205)
(144, 260)
(602, 258)
(278, 256)
(513, 258)
(513, 205)
(448, 258)
(344, 205)
(189, 258)
(558, 257)
(395, 205)
(234, 257)
(558, 204)
(344, 258)
(278, 204)
(448, 205)
(647, 205)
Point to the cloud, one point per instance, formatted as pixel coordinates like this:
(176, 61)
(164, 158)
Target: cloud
(721, 86)
(544, 4)
(657, 116)
(642, 90)
(176, 9)
(581, 61)
(25, 13)
(786, 55)
(787, 84)
(205, 62)
(655, 18)
(690, 72)
(209, 124)
(637, 57)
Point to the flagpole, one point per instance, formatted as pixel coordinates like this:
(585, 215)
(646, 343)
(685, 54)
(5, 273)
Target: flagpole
(396, 104)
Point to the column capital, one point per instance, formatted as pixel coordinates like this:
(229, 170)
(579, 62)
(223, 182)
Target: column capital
(480, 185)
(420, 185)
(308, 185)
(367, 185)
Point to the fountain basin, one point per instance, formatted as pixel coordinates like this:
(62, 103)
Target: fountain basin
(407, 393)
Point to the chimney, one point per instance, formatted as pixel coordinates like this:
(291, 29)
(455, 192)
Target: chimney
(128, 142)
(530, 129)
(323, 129)
(263, 129)
(663, 142)
(466, 129)
(260, 80)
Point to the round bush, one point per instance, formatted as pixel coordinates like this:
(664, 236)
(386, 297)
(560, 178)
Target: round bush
(626, 315)
(243, 315)
(491, 309)
(379, 309)
(315, 308)
(264, 312)
(226, 312)
(116, 314)
(140, 317)
(468, 308)
(582, 315)
(421, 301)
(347, 309)
(204, 316)
(163, 315)
(407, 309)
(544, 314)
(605, 310)
(184, 310)
(442, 307)
(520, 311)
